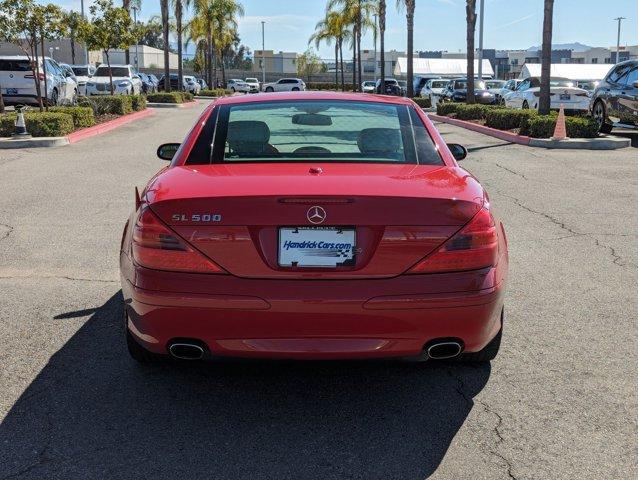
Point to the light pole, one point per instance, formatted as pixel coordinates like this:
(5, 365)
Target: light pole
(619, 20)
(137, 64)
(86, 52)
(480, 59)
(263, 54)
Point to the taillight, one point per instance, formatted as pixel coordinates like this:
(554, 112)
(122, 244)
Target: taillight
(40, 76)
(156, 246)
(472, 248)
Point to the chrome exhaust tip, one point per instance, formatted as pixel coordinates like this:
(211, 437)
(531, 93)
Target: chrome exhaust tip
(186, 351)
(444, 350)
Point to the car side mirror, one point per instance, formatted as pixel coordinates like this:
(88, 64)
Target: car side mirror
(167, 151)
(459, 152)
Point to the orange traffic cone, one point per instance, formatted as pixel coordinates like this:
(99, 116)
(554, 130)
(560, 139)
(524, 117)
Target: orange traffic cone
(560, 132)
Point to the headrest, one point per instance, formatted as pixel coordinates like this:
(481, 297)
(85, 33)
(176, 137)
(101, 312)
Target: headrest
(379, 140)
(247, 131)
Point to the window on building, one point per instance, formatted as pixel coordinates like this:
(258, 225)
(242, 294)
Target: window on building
(594, 60)
(515, 61)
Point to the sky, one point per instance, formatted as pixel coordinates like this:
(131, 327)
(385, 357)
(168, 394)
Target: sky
(439, 24)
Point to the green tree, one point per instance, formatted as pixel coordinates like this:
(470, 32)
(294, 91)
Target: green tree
(309, 63)
(544, 102)
(470, 17)
(71, 22)
(165, 27)
(110, 28)
(51, 26)
(333, 28)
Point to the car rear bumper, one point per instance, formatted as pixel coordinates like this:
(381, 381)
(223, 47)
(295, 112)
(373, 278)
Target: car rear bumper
(309, 319)
(24, 99)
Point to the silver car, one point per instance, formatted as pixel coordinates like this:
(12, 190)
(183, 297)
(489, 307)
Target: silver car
(237, 85)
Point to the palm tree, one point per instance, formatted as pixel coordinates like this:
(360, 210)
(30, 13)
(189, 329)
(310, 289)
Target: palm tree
(544, 102)
(409, 16)
(165, 28)
(381, 9)
(332, 28)
(179, 6)
(470, 15)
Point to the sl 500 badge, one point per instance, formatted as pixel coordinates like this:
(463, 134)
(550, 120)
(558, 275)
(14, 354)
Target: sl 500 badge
(197, 217)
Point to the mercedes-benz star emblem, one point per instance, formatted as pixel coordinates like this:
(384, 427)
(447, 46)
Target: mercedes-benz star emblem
(316, 215)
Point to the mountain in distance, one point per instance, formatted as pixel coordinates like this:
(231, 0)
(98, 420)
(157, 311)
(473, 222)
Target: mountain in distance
(576, 47)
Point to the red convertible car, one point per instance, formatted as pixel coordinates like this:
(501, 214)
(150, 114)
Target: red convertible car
(311, 225)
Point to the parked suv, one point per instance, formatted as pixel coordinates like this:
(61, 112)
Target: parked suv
(285, 85)
(614, 103)
(125, 81)
(18, 85)
(390, 87)
(237, 85)
(82, 74)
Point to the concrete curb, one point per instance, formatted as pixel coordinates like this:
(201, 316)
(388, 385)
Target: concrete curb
(171, 105)
(601, 143)
(37, 142)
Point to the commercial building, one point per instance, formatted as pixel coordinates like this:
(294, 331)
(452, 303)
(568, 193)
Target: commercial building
(282, 62)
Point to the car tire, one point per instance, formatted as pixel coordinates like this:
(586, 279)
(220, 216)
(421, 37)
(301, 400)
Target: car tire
(270, 89)
(525, 105)
(138, 352)
(490, 351)
(599, 114)
(54, 98)
(295, 89)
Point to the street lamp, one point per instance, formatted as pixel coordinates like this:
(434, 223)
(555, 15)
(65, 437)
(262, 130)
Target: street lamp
(480, 59)
(263, 54)
(135, 8)
(619, 20)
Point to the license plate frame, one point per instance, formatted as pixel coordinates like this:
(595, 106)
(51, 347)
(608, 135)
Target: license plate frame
(316, 247)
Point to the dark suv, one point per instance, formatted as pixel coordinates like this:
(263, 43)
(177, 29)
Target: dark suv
(614, 103)
(390, 87)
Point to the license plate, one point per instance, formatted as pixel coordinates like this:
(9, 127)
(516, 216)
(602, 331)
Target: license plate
(316, 246)
(565, 96)
(12, 91)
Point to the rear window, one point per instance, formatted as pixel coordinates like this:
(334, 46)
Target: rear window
(115, 71)
(439, 84)
(325, 131)
(80, 71)
(15, 66)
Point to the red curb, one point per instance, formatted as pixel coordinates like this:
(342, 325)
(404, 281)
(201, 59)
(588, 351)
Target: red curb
(188, 104)
(492, 132)
(108, 126)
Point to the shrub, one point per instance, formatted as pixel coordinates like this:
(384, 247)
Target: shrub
(542, 126)
(422, 102)
(39, 124)
(166, 97)
(473, 112)
(216, 92)
(138, 102)
(327, 86)
(447, 108)
(108, 104)
(82, 116)
(188, 96)
(507, 118)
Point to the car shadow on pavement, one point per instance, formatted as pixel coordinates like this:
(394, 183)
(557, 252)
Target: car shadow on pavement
(93, 413)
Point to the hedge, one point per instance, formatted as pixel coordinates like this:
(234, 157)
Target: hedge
(422, 102)
(39, 124)
(447, 108)
(542, 126)
(138, 102)
(188, 96)
(328, 86)
(108, 104)
(508, 119)
(216, 92)
(82, 116)
(166, 97)
(473, 112)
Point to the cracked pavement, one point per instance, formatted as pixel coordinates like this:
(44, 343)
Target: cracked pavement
(560, 401)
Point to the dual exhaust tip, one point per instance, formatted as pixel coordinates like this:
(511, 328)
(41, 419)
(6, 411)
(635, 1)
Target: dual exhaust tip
(438, 350)
(444, 350)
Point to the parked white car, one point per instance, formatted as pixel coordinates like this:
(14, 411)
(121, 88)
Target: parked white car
(434, 87)
(285, 85)
(18, 85)
(368, 86)
(237, 85)
(191, 85)
(82, 74)
(562, 92)
(253, 83)
(125, 81)
(509, 87)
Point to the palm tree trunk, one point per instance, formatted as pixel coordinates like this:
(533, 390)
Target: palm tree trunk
(410, 21)
(354, 61)
(470, 15)
(209, 54)
(359, 28)
(336, 65)
(126, 5)
(178, 22)
(72, 47)
(44, 70)
(381, 40)
(544, 102)
(343, 82)
(167, 69)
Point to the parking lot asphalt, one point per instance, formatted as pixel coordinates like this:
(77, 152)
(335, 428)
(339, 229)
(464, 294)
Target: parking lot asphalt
(560, 401)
